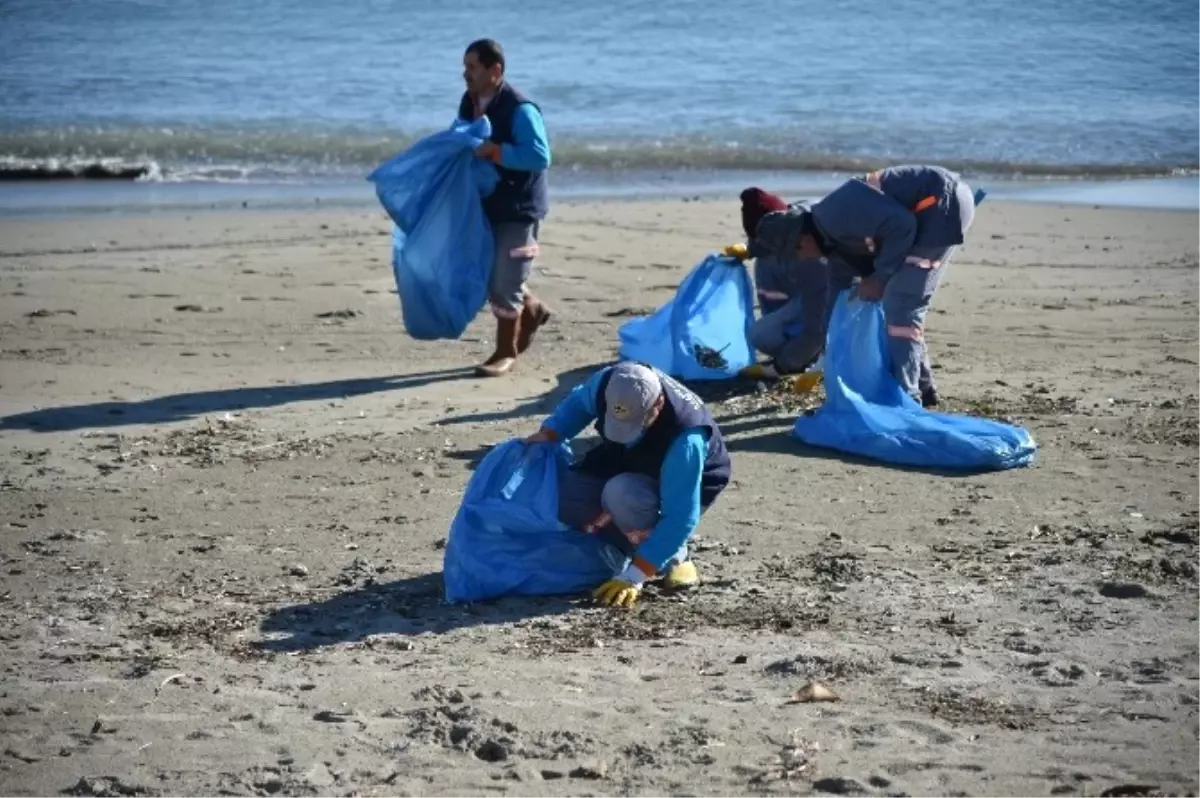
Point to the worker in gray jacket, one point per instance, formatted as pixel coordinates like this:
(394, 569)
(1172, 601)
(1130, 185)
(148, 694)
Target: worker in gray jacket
(896, 229)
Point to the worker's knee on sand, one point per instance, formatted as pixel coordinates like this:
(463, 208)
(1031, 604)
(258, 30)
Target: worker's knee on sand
(772, 332)
(633, 502)
(766, 336)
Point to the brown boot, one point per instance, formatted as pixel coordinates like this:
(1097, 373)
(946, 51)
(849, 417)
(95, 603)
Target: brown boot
(533, 315)
(505, 356)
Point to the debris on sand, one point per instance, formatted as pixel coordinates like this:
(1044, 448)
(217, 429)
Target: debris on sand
(813, 692)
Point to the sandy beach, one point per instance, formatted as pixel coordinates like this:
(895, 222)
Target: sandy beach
(227, 475)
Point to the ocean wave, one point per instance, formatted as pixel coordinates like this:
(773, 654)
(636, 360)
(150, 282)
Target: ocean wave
(178, 154)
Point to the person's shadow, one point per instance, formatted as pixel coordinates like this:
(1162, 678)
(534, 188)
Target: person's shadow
(542, 404)
(184, 406)
(409, 606)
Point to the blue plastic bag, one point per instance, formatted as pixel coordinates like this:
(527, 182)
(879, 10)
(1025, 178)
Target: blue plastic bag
(867, 413)
(704, 332)
(507, 540)
(442, 244)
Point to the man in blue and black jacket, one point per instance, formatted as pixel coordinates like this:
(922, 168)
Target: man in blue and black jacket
(520, 151)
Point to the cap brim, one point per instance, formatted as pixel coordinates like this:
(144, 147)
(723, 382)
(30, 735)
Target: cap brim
(621, 431)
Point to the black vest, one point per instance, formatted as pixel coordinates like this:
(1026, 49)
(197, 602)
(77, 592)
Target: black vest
(683, 410)
(519, 196)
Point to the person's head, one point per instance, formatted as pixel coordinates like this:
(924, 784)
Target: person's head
(483, 67)
(634, 399)
(789, 234)
(756, 204)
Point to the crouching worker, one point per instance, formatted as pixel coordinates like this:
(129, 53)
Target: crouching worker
(795, 294)
(660, 464)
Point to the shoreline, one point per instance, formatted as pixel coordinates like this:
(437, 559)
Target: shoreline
(73, 198)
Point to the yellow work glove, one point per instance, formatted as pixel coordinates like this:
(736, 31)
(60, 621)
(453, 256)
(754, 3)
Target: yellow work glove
(738, 251)
(622, 591)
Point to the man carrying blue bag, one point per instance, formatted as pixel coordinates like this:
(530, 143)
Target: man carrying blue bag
(520, 151)
(897, 228)
(660, 464)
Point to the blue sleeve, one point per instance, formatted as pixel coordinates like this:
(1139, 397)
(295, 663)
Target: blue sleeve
(578, 410)
(530, 150)
(679, 487)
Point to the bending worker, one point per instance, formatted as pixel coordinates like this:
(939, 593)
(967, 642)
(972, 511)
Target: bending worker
(660, 464)
(897, 229)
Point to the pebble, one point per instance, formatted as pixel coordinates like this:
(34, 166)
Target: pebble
(492, 751)
(299, 569)
(593, 770)
(1123, 590)
(839, 786)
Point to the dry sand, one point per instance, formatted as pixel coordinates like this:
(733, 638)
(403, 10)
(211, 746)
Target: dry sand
(223, 518)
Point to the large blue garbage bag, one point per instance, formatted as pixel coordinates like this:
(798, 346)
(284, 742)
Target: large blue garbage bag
(867, 413)
(704, 332)
(507, 539)
(442, 242)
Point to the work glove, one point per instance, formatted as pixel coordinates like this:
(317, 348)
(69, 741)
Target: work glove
(760, 371)
(739, 251)
(622, 591)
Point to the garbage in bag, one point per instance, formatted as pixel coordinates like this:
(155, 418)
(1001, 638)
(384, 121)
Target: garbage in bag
(704, 332)
(506, 538)
(867, 413)
(442, 242)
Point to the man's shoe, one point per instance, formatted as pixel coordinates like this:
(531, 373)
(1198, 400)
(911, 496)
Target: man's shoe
(682, 575)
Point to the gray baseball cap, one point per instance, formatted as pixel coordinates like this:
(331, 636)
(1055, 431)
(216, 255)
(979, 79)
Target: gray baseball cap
(632, 392)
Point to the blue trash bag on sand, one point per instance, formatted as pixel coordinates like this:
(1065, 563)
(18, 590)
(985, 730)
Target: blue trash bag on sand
(704, 332)
(867, 413)
(442, 244)
(507, 540)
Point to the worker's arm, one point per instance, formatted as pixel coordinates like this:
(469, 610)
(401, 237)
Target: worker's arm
(578, 410)
(855, 212)
(679, 489)
(530, 148)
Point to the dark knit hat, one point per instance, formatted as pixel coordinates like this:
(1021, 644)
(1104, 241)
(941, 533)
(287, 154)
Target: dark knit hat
(756, 204)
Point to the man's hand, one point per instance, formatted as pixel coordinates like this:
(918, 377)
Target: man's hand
(622, 591)
(489, 151)
(738, 251)
(870, 289)
(544, 435)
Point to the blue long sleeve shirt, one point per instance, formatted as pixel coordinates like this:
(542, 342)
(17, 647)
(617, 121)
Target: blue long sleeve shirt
(530, 147)
(679, 478)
